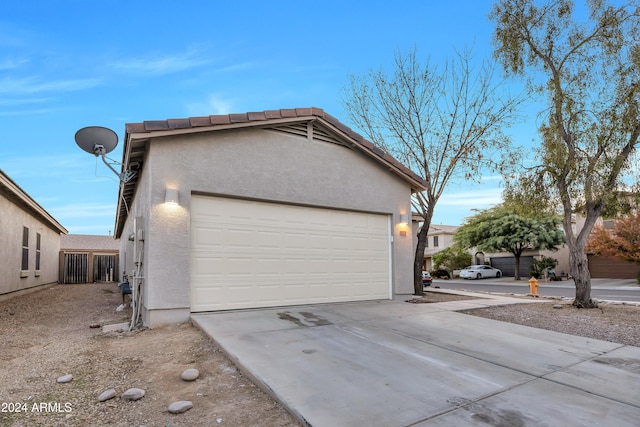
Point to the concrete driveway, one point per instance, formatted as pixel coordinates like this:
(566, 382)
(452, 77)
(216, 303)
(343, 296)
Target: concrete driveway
(390, 363)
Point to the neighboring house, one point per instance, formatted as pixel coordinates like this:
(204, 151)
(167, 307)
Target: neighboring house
(275, 208)
(506, 262)
(30, 240)
(611, 268)
(88, 258)
(439, 237)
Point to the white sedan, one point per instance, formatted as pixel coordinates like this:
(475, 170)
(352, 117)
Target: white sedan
(479, 272)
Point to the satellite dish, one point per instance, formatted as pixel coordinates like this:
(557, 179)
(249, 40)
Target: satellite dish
(99, 141)
(96, 140)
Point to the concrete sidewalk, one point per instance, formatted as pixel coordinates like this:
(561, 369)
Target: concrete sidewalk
(391, 363)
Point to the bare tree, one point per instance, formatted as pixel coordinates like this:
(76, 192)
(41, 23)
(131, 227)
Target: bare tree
(589, 73)
(444, 123)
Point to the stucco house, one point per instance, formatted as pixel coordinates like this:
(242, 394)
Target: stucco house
(30, 241)
(506, 262)
(273, 208)
(611, 268)
(439, 237)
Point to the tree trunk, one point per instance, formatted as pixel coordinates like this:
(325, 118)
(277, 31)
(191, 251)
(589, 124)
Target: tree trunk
(418, 260)
(578, 263)
(517, 275)
(579, 268)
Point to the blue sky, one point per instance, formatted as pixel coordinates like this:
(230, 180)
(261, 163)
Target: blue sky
(65, 65)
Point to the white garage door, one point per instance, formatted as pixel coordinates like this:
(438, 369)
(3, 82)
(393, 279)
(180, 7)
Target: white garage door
(247, 254)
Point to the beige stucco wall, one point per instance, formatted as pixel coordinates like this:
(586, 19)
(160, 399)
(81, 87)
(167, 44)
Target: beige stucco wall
(562, 255)
(260, 164)
(445, 240)
(12, 221)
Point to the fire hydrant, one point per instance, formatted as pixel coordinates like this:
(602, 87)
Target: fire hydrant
(533, 286)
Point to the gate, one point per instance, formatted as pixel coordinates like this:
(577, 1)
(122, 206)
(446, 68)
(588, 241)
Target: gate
(104, 268)
(89, 267)
(76, 268)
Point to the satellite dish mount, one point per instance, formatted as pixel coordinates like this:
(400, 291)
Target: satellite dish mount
(99, 141)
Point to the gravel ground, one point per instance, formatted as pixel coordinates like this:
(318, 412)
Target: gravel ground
(615, 323)
(618, 323)
(46, 334)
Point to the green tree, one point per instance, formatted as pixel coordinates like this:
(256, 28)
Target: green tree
(443, 123)
(452, 258)
(501, 229)
(528, 196)
(588, 73)
(538, 266)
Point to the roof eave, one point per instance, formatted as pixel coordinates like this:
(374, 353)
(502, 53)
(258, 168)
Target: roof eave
(157, 129)
(30, 204)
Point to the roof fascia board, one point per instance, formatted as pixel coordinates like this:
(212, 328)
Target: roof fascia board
(200, 129)
(31, 204)
(118, 227)
(416, 184)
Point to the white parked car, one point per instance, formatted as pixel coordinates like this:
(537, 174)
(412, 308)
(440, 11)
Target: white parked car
(479, 272)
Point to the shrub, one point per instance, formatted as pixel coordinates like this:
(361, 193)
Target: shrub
(440, 274)
(451, 258)
(538, 266)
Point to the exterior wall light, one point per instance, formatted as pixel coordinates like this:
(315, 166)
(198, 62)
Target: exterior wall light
(403, 225)
(171, 196)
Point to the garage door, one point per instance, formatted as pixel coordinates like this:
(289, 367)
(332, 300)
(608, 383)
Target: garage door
(611, 268)
(247, 254)
(508, 265)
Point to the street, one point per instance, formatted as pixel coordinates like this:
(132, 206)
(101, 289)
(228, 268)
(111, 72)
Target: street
(602, 289)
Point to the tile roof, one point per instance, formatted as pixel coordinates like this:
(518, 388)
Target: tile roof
(88, 242)
(150, 126)
(137, 134)
(442, 229)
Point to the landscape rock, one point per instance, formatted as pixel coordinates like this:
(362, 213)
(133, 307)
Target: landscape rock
(558, 306)
(180, 406)
(65, 378)
(118, 327)
(133, 394)
(190, 374)
(106, 395)
(99, 362)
